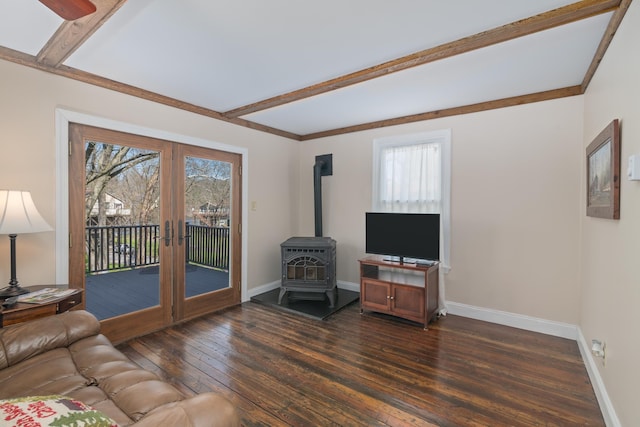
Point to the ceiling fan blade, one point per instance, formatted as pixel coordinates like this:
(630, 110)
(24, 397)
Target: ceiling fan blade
(70, 9)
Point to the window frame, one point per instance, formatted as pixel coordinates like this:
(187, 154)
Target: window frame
(443, 139)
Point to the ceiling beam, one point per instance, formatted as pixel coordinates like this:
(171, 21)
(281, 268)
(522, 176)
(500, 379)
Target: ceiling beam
(82, 76)
(614, 23)
(71, 34)
(544, 21)
(456, 111)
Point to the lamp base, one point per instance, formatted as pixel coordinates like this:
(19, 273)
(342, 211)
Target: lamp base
(12, 291)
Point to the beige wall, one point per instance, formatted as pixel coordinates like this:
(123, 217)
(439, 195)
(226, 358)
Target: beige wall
(611, 249)
(515, 205)
(521, 242)
(27, 107)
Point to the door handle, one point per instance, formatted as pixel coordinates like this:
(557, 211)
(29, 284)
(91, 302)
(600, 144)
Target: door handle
(180, 233)
(168, 233)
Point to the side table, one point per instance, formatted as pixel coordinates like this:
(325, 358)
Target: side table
(22, 312)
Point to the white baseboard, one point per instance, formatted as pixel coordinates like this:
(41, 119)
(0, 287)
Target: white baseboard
(350, 286)
(557, 329)
(534, 324)
(260, 290)
(606, 407)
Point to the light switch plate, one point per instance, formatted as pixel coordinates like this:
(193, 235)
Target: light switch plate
(633, 168)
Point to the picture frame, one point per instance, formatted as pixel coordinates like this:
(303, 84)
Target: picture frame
(603, 173)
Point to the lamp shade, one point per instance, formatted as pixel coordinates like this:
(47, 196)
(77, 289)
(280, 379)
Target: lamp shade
(18, 214)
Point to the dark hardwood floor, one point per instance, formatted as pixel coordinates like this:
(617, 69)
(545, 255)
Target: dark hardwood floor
(372, 370)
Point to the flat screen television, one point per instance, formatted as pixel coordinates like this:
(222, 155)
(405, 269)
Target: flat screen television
(415, 236)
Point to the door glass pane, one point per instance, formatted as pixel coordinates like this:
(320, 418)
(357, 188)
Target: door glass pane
(207, 222)
(122, 232)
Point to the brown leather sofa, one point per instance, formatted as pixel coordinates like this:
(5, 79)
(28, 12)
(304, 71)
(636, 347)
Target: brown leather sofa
(67, 355)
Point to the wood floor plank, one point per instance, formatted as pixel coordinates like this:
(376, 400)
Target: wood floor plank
(266, 384)
(372, 370)
(262, 361)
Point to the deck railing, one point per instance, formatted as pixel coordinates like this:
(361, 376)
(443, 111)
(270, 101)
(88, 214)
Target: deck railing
(111, 248)
(208, 246)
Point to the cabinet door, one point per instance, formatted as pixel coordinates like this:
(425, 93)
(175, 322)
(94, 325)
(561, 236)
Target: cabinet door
(408, 302)
(375, 296)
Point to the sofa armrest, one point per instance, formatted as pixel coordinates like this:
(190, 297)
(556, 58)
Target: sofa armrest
(25, 340)
(203, 410)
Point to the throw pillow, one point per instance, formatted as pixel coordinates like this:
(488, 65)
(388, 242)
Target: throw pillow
(54, 411)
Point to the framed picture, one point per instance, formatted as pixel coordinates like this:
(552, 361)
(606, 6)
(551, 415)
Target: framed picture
(603, 173)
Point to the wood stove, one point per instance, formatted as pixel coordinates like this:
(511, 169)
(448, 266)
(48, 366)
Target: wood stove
(309, 263)
(309, 269)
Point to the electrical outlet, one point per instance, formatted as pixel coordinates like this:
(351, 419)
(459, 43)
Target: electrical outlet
(598, 349)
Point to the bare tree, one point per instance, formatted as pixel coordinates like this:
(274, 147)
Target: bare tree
(103, 163)
(132, 175)
(139, 189)
(207, 186)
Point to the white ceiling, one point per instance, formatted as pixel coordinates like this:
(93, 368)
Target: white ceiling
(222, 55)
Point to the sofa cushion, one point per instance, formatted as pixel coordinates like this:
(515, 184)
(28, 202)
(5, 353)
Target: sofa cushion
(122, 381)
(54, 410)
(66, 355)
(93, 371)
(48, 373)
(33, 338)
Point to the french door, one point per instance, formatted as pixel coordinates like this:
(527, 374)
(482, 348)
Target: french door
(154, 229)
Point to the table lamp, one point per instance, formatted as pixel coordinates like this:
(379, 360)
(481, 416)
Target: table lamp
(18, 215)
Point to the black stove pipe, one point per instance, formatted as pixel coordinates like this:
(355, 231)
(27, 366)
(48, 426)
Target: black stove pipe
(322, 167)
(317, 196)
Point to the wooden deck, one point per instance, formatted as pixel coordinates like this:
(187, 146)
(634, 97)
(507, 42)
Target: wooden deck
(111, 294)
(282, 369)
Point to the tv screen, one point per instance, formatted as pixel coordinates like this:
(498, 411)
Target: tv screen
(403, 235)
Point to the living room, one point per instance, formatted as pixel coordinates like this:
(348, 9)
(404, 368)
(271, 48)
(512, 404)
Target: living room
(523, 251)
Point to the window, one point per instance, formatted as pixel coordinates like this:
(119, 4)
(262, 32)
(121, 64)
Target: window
(412, 173)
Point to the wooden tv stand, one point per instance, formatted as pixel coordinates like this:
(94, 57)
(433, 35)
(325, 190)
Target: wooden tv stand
(408, 291)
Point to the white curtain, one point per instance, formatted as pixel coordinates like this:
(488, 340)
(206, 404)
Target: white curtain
(410, 179)
(413, 175)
